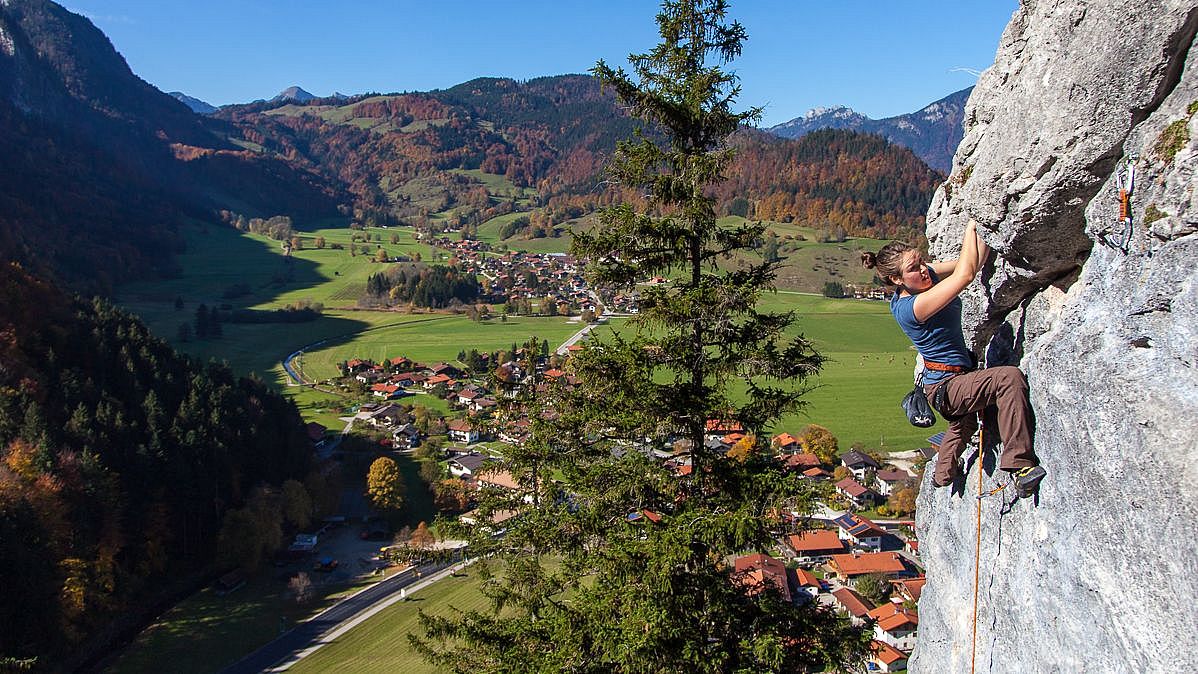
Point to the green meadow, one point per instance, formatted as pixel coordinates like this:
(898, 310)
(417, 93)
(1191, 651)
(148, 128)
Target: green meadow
(867, 371)
(361, 650)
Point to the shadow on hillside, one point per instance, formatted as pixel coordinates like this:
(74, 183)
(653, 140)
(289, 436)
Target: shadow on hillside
(225, 268)
(228, 271)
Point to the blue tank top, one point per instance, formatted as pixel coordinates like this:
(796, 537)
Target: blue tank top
(938, 339)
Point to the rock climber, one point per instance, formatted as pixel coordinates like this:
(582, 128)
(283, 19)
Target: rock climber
(927, 306)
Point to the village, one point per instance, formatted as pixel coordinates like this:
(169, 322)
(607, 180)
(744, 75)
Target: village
(857, 553)
(518, 278)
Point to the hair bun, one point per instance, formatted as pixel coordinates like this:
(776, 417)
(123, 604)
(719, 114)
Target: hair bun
(869, 260)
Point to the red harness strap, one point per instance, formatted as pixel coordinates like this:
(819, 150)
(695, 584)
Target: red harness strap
(942, 367)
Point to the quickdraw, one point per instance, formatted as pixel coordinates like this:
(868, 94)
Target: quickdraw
(992, 492)
(1125, 182)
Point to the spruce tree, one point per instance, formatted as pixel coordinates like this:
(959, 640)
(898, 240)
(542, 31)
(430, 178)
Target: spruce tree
(620, 560)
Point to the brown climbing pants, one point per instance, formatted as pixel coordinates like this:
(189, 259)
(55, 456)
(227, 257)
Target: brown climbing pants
(1002, 387)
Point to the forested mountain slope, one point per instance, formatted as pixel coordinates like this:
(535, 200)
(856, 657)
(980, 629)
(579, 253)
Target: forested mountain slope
(100, 167)
(118, 460)
(402, 156)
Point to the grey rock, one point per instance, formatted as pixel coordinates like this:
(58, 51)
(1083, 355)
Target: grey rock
(1096, 573)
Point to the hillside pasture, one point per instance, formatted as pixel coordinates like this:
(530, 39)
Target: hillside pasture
(438, 338)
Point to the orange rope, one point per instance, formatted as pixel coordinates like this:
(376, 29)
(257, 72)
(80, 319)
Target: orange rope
(977, 556)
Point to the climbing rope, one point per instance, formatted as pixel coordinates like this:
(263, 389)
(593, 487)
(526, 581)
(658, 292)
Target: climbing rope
(977, 553)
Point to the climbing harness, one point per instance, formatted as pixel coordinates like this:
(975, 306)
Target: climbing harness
(1125, 182)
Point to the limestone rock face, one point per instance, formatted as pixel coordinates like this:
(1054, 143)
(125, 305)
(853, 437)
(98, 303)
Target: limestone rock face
(1098, 572)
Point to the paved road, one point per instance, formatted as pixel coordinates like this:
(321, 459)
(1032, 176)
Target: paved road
(311, 631)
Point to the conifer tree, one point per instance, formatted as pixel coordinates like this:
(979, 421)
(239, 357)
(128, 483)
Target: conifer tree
(620, 561)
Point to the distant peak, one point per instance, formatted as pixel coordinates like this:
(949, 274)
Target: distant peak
(197, 106)
(294, 94)
(835, 110)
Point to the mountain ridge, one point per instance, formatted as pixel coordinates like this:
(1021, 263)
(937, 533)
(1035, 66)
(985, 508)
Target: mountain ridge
(932, 132)
(197, 106)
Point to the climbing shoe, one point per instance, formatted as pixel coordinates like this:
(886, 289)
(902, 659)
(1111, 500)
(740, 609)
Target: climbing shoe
(1027, 480)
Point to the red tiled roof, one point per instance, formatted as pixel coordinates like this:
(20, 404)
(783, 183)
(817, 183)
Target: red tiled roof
(854, 603)
(852, 487)
(785, 440)
(817, 472)
(893, 475)
(815, 541)
(499, 478)
(726, 425)
(806, 578)
(891, 617)
(870, 562)
(912, 586)
(460, 425)
(801, 461)
(758, 569)
(885, 653)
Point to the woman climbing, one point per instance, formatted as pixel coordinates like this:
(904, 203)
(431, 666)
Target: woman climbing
(927, 307)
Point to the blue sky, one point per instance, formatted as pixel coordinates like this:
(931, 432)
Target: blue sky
(880, 57)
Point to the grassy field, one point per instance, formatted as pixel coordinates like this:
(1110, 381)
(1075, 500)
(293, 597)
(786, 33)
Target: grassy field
(207, 632)
(437, 338)
(856, 396)
(359, 649)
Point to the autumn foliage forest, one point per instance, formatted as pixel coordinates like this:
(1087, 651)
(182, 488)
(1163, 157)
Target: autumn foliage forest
(553, 135)
(119, 461)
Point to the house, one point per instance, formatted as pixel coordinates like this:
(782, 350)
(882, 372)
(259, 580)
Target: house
(499, 479)
(785, 442)
(316, 433)
(807, 585)
(387, 415)
(469, 394)
(464, 465)
(498, 517)
(848, 568)
(890, 481)
(437, 379)
(857, 494)
(461, 430)
(718, 428)
(444, 368)
(482, 404)
(814, 547)
(758, 571)
(859, 532)
(405, 436)
(400, 364)
(909, 589)
(886, 658)
(855, 605)
(369, 376)
(858, 462)
(386, 391)
(896, 626)
(817, 474)
(800, 462)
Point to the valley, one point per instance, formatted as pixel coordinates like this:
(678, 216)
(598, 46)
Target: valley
(869, 360)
